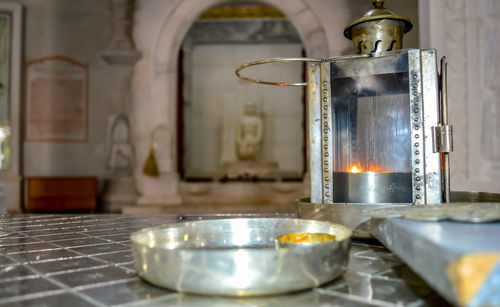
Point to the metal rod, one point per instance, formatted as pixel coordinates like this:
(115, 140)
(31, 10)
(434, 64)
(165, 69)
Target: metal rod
(444, 122)
(286, 60)
(273, 60)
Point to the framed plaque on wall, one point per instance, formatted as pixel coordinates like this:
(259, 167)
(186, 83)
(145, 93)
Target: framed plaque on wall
(56, 100)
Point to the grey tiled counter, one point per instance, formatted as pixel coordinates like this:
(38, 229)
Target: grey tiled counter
(86, 260)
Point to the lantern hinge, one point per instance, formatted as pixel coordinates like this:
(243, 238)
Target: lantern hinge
(442, 138)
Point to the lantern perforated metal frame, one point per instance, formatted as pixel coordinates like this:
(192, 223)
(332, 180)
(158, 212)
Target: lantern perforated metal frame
(429, 180)
(426, 181)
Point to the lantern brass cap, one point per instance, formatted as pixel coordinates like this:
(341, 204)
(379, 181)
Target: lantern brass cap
(378, 13)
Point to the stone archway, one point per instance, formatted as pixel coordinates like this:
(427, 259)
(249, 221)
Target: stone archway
(155, 100)
(181, 18)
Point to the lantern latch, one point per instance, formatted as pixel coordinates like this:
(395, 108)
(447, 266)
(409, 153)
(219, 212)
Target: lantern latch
(442, 138)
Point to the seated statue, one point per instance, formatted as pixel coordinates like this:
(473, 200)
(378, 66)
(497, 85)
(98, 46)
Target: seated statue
(121, 154)
(249, 133)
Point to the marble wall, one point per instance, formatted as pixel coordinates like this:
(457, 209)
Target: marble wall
(468, 33)
(79, 30)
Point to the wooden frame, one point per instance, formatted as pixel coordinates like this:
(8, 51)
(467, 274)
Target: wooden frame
(84, 120)
(61, 193)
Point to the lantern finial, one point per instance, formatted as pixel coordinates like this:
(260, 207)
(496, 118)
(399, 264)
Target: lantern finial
(378, 30)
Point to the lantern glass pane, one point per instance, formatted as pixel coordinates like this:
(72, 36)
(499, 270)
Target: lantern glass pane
(371, 115)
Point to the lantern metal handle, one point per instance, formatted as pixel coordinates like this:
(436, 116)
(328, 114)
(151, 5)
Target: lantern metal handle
(285, 60)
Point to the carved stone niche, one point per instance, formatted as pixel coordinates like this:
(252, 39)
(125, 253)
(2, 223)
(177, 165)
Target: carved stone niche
(229, 179)
(162, 27)
(229, 98)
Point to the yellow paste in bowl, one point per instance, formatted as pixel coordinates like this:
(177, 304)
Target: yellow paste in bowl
(305, 237)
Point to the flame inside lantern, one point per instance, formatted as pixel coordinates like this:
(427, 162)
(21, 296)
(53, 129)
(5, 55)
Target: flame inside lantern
(354, 169)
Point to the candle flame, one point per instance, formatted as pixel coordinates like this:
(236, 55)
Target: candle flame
(354, 169)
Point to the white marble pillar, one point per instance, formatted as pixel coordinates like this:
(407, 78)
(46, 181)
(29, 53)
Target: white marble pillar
(121, 55)
(468, 34)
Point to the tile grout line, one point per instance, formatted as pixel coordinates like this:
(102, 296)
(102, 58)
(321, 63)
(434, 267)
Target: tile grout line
(57, 283)
(105, 284)
(105, 263)
(151, 300)
(93, 256)
(24, 297)
(356, 298)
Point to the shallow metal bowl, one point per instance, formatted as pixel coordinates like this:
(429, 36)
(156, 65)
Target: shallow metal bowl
(239, 257)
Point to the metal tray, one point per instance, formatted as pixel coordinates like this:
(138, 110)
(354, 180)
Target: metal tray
(358, 216)
(348, 214)
(459, 212)
(239, 257)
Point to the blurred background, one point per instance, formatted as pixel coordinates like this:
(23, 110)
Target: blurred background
(133, 106)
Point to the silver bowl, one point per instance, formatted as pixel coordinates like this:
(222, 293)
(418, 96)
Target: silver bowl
(239, 257)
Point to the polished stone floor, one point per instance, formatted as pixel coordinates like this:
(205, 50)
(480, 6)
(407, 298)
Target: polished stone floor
(86, 260)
